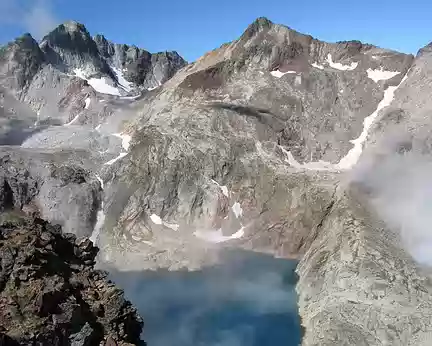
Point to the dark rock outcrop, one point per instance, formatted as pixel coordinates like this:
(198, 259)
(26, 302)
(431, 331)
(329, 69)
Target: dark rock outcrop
(19, 62)
(50, 294)
(140, 66)
(70, 46)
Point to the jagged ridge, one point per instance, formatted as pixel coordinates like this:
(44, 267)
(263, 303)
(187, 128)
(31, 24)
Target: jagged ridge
(51, 295)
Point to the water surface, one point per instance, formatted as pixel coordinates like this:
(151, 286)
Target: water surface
(249, 300)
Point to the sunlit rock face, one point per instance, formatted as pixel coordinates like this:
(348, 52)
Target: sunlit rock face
(275, 142)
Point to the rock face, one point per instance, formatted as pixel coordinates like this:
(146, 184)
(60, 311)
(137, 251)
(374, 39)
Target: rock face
(357, 285)
(51, 295)
(70, 47)
(244, 147)
(139, 66)
(366, 280)
(254, 146)
(69, 71)
(63, 193)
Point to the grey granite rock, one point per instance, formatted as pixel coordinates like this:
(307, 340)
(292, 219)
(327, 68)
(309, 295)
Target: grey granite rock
(358, 286)
(215, 139)
(70, 46)
(20, 60)
(139, 66)
(51, 187)
(54, 77)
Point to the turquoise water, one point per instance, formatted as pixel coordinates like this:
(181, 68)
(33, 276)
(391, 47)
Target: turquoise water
(248, 300)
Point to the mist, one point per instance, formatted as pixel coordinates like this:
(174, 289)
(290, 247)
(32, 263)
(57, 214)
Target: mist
(248, 300)
(400, 189)
(34, 16)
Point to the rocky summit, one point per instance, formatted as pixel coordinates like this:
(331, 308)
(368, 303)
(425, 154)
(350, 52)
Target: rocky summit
(276, 142)
(51, 295)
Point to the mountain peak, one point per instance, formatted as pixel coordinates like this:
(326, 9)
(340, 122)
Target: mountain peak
(425, 50)
(26, 37)
(73, 26)
(263, 22)
(24, 42)
(258, 25)
(70, 30)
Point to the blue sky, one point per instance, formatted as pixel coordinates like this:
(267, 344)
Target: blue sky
(193, 27)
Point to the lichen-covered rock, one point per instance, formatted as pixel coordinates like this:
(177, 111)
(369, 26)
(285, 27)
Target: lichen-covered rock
(50, 294)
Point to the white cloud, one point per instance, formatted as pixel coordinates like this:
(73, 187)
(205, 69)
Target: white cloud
(40, 18)
(34, 16)
(400, 190)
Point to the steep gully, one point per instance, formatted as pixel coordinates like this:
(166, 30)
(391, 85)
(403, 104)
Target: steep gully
(352, 157)
(100, 217)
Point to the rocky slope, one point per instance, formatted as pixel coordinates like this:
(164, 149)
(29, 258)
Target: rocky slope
(51, 295)
(358, 286)
(50, 185)
(244, 146)
(366, 278)
(256, 145)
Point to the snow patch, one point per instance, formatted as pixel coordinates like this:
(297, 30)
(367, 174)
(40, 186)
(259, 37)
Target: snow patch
(172, 226)
(237, 209)
(125, 140)
(99, 84)
(279, 74)
(110, 162)
(100, 181)
(156, 219)
(317, 66)
(339, 66)
(100, 220)
(126, 85)
(100, 217)
(350, 159)
(87, 102)
(381, 74)
(224, 189)
(216, 236)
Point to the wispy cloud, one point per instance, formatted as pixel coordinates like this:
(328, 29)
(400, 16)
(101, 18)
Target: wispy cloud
(398, 181)
(248, 299)
(34, 16)
(40, 18)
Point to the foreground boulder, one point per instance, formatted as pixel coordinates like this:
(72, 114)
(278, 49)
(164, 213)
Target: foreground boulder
(50, 294)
